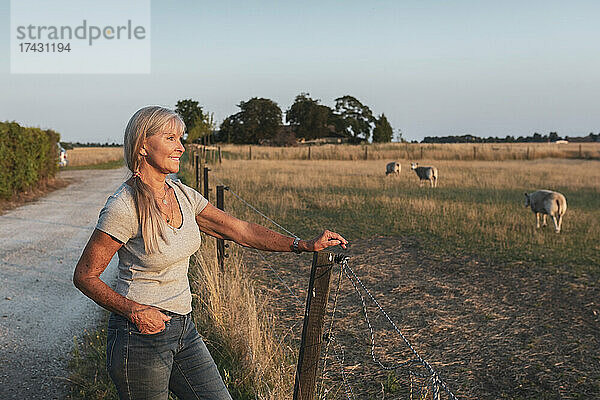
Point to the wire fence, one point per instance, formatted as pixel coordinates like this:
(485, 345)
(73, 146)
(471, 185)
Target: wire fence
(422, 380)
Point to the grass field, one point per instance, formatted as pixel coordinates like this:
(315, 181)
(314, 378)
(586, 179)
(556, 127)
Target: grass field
(477, 208)
(501, 309)
(87, 156)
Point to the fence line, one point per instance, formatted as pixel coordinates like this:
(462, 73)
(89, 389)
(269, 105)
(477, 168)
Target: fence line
(435, 381)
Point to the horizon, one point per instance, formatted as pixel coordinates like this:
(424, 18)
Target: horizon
(466, 68)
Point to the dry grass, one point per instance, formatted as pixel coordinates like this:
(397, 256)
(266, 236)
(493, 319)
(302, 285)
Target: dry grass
(500, 308)
(230, 314)
(418, 151)
(522, 323)
(477, 208)
(237, 325)
(81, 156)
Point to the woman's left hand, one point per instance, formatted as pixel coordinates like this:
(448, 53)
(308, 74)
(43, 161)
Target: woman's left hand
(325, 240)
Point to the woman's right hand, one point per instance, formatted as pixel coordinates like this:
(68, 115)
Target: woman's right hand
(148, 319)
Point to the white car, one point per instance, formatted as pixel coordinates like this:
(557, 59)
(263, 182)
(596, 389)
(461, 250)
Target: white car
(62, 157)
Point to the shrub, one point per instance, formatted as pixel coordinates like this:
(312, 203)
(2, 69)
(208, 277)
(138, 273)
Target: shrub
(27, 156)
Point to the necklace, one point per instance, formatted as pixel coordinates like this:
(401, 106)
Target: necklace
(168, 217)
(164, 200)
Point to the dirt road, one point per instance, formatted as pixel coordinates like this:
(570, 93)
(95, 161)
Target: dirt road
(40, 309)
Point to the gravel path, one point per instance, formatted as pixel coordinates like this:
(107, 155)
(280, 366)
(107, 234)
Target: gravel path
(40, 309)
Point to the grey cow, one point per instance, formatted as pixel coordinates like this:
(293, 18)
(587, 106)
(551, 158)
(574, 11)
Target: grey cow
(426, 174)
(392, 168)
(547, 202)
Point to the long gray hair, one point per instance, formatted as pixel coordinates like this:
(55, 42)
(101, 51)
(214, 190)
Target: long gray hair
(146, 122)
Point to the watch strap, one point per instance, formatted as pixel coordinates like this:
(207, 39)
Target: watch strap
(295, 248)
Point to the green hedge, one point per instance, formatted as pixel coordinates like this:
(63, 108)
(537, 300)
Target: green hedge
(27, 156)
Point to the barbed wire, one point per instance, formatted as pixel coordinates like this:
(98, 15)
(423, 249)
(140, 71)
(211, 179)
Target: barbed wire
(257, 251)
(279, 277)
(436, 381)
(257, 210)
(347, 387)
(329, 333)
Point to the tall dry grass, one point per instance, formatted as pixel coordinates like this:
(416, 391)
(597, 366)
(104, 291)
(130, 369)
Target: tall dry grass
(81, 156)
(418, 151)
(237, 324)
(235, 320)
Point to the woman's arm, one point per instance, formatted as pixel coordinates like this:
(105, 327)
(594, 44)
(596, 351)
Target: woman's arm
(219, 224)
(98, 252)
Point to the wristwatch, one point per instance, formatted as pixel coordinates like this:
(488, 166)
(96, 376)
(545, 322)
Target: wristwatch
(295, 248)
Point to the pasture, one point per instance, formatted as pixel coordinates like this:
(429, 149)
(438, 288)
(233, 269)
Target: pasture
(86, 156)
(500, 309)
(419, 151)
(478, 208)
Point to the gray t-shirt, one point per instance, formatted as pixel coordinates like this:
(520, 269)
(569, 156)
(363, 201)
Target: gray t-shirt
(158, 279)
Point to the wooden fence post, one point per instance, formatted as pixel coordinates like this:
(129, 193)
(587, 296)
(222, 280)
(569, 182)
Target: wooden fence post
(221, 256)
(312, 330)
(197, 170)
(220, 156)
(206, 189)
(250, 153)
(309, 152)
(580, 152)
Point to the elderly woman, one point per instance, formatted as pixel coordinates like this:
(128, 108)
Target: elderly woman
(154, 224)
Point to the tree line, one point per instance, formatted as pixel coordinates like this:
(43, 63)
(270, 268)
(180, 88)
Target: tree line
(535, 138)
(259, 120)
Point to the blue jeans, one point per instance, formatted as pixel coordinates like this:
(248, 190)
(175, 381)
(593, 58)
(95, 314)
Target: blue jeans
(147, 366)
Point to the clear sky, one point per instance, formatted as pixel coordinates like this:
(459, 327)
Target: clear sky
(434, 67)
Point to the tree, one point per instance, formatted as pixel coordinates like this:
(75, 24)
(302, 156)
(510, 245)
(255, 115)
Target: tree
(190, 111)
(353, 118)
(553, 137)
(383, 131)
(308, 117)
(258, 120)
(201, 128)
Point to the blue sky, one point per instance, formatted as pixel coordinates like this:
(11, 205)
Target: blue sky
(486, 68)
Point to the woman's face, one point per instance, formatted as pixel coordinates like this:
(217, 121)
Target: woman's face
(164, 150)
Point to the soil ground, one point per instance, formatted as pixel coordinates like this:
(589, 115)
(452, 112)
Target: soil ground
(490, 331)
